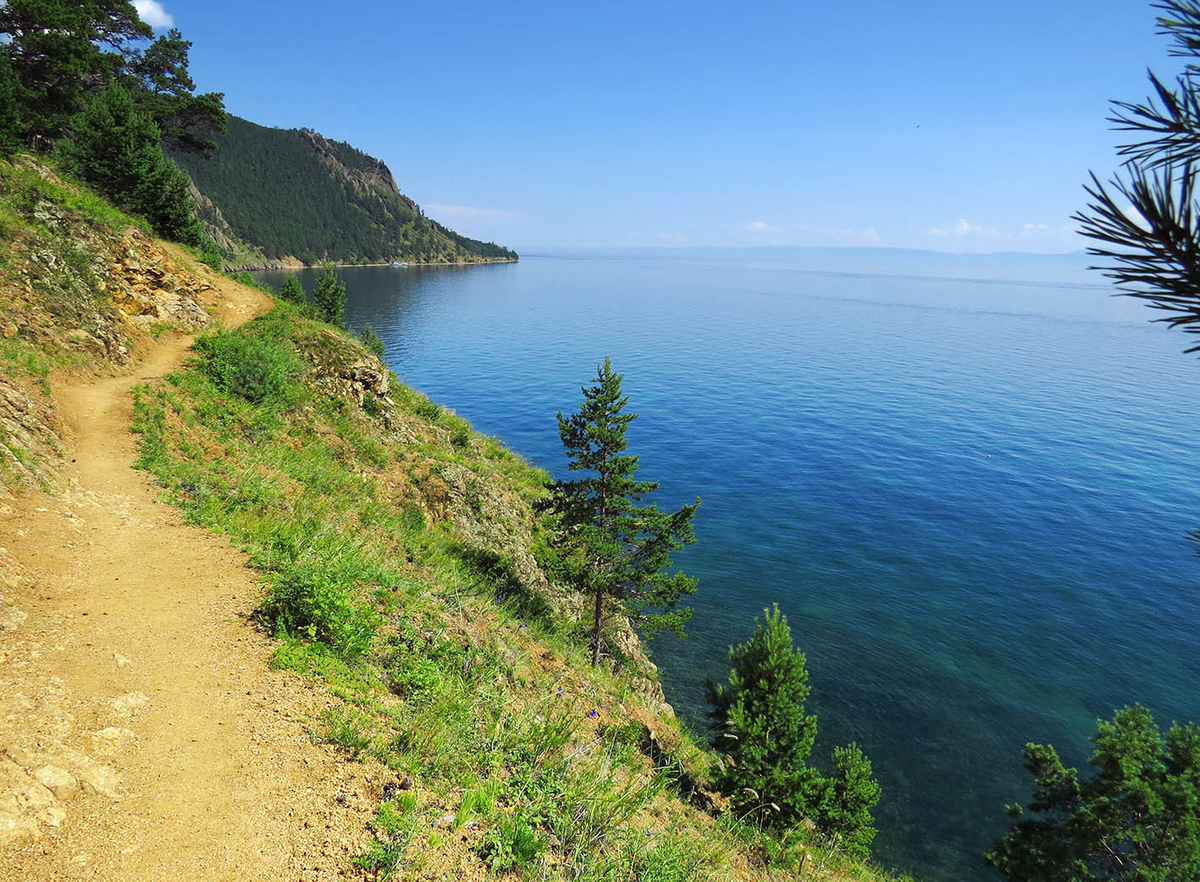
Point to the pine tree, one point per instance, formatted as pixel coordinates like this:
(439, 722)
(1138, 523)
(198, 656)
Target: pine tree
(59, 49)
(1146, 221)
(115, 147)
(844, 816)
(616, 552)
(163, 88)
(1137, 819)
(10, 119)
(293, 292)
(763, 730)
(330, 296)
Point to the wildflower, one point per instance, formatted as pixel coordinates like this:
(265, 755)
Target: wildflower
(592, 714)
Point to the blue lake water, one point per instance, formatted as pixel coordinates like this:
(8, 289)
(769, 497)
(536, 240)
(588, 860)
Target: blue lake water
(965, 480)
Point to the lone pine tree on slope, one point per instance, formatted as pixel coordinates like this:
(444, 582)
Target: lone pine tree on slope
(616, 552)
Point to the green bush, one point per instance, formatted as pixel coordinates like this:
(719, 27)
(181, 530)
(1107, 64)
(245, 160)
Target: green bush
(209, 253)
(310, 602)
(766, 737)
(293, 292)
(330, 297)
(512, 845)
(415, 678)
(372, 341)
(258, 368)
(763, 729)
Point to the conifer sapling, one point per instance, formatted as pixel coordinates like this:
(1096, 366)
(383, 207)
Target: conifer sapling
(616, 552)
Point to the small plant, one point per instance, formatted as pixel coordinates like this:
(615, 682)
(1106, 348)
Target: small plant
(430, 411)
(209, 254)
(372, 341)
(345, 728)
(512, 845)
(308, 601)
(416, 678)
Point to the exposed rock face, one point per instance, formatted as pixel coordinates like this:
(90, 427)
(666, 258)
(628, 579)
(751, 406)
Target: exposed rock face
(29, 439)
(370, 180)
(214, 221)
(145, 290)
(76, 288)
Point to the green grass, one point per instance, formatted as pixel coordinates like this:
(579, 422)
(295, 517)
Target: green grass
(389, 539)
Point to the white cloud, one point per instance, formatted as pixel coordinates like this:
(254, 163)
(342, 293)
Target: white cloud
(962, 228)
(152, 13)
(471, 214)
(1136, 216)
(761, 227)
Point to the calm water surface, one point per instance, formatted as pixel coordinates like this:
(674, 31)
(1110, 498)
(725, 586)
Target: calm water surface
(966, 481)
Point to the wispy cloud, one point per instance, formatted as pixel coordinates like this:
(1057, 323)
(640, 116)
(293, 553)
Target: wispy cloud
(1136, 216)
(153, 14)
(759, 226)
(963, 228)
(471, 214)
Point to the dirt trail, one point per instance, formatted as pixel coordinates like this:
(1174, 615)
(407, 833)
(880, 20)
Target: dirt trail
(137, 711)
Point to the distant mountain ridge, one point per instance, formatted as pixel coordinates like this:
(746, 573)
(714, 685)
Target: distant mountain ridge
(276, 195)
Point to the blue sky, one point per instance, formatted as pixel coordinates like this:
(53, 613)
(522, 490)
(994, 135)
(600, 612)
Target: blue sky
(953, 126)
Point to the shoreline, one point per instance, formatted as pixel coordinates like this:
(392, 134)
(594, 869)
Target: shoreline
(285, 266)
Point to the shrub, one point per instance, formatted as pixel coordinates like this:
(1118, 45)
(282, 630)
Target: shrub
(845, 814)
(258, 368)
(372, 341)
(767, 739)
(330, 296)
(512, 845)
(209, 253)
(309, 602)
(293, 292)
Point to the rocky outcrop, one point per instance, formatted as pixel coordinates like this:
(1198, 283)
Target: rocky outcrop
(145, 289)
(374, 177)
(26, 426)
(76, 294)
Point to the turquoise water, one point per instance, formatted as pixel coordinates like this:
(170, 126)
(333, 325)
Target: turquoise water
(966, 481)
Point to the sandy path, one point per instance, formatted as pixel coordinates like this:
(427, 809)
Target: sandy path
(182, 756)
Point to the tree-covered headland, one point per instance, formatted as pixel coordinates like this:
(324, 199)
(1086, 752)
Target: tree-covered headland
(89, 86)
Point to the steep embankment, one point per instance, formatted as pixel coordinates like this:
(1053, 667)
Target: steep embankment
(142, 735)
(279, 195)
(423, 707)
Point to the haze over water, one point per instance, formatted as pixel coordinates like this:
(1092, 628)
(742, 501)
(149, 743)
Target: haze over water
(965, 480)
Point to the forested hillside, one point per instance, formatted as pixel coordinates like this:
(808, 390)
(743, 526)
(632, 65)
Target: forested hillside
(292, 192)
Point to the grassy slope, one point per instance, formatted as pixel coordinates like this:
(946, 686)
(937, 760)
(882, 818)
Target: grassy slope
(57, 248)
(389, 535)
(397, 550)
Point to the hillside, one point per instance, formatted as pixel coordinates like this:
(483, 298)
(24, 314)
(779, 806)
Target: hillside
(291, 193)
(336, 652)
